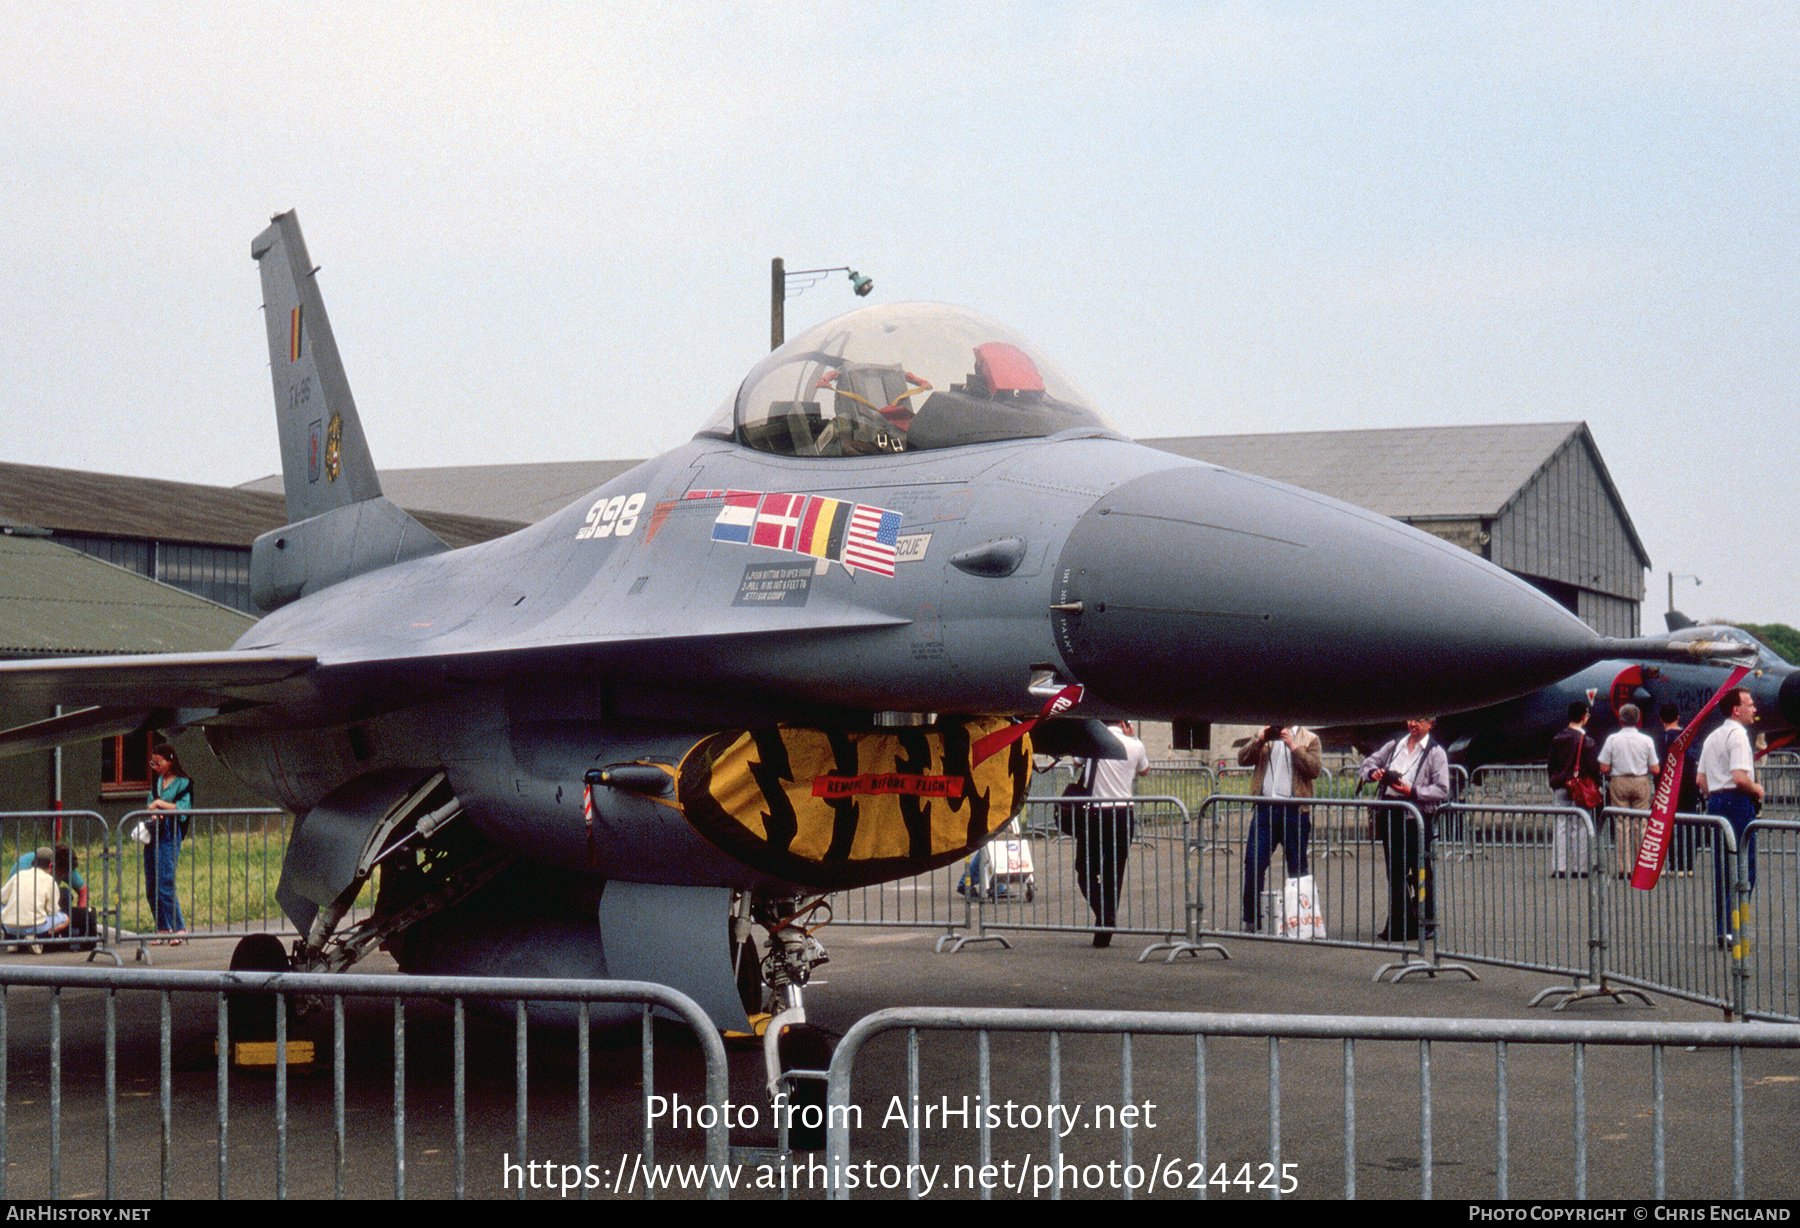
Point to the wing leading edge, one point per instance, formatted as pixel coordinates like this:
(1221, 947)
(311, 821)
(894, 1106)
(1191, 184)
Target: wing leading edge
(122, 693)
(126, 692)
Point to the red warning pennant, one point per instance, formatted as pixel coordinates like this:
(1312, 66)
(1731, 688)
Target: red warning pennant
(1655, 846)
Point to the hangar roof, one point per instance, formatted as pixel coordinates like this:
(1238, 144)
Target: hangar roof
(76, 501)
(54, 600)
(523, 493)
(106, 504)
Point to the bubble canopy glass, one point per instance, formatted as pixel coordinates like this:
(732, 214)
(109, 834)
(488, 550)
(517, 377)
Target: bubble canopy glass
(907, 377)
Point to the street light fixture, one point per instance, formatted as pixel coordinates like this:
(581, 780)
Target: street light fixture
(778, 293)
(1673, 576)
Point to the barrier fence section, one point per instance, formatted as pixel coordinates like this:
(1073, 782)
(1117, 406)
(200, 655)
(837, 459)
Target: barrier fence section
(1509, 784)
(1668, 938)
(88, 835)
(1529, 783)
(227, 866)
(1540, 887)
(1144, 843)
(1192, 781)
(1528, 1082)
(1532, 887)
(1771, 946)
(1355, 880)
(69, 1036)
(1781, 788)
(1506, 898)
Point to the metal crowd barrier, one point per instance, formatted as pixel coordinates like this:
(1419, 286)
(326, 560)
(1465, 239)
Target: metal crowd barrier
(1666, 939)
(1236, 779)
(1046, 784)
(924, 901)
(1529, 784)
(1504, 902)
(88, 835)
(1528, 1081)
(1511, 900)
(1493, 894)
(971, 904)
(226, 870)
(1496, 892)
(1230, 774)
(1350, 870)
(137, 1145)
(1781, 787)
(1510, 784)
(1190, 780)
(1771, 954)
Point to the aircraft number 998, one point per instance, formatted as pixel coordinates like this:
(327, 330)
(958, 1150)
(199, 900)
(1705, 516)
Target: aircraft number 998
(614, 517)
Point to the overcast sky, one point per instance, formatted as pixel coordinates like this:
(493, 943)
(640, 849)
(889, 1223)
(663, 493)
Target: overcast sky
(545, 229)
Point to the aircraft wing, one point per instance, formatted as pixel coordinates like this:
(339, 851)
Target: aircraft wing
(150, 680)
(124, 692)
(118, 694)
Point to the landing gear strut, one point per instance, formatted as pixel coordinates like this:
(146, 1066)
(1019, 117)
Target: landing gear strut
(791, 1045)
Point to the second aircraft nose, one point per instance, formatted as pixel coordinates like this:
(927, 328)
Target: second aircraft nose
(1204, 590)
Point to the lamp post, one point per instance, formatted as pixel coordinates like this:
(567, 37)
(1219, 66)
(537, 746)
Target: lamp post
(778, 276)
(1672, 578)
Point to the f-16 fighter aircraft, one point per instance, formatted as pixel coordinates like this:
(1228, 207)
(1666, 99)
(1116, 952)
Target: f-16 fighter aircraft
(781, 660)
(1519, 730)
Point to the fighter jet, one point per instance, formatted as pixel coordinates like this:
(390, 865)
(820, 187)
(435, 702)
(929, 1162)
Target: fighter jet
(789, 657)
(1519, 730)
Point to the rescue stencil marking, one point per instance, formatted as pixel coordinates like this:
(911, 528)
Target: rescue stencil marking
(911, 548)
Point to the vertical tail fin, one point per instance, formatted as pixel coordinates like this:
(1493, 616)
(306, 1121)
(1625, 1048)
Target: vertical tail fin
(339, 523)
(325, 461)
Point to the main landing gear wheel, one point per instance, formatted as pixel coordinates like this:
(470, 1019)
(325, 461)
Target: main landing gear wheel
(251, 1016)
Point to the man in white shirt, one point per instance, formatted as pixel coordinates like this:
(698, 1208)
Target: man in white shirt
(28, 902)
(1728, 774)
(1628, 761)
(1103, 830)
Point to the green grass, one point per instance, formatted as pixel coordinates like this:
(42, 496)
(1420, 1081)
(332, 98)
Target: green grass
(225, 877)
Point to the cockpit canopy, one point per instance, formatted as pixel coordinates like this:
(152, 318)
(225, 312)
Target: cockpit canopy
(901, 378)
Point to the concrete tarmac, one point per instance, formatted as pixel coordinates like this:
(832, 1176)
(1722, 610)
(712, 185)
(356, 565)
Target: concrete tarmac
(61, 1122)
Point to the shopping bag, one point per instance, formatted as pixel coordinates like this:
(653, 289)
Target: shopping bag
(1302, 915)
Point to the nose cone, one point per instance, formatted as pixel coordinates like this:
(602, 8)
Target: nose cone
(1210, 592)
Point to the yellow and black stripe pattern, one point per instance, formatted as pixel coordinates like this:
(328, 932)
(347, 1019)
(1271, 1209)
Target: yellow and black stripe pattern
(831, 809)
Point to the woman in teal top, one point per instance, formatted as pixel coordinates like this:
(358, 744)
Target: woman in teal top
(170, 793)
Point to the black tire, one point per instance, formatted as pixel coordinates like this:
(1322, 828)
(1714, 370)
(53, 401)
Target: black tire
(251, 1016)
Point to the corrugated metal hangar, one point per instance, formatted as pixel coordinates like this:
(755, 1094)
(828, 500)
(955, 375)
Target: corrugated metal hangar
(196, 538)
